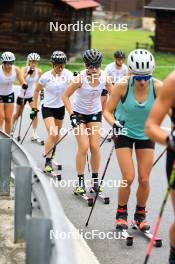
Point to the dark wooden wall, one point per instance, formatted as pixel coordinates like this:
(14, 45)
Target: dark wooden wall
(165, 31)
(24, 27)
(122, 5)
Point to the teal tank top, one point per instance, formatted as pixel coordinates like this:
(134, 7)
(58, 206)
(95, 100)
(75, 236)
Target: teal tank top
(134, 113)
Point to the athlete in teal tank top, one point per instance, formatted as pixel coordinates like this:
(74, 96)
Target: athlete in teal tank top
(127, 110)
(134, 113)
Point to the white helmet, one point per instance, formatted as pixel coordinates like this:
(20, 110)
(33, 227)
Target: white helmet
(141, 61)
(7, 56)
(33, 57)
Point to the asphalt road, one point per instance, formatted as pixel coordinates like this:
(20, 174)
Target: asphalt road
(108, 251)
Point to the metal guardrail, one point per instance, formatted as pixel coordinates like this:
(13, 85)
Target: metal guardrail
(61, 250)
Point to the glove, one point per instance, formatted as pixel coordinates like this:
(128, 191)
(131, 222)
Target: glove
(33, 113)
(117, 127)
(24, 86)
(75, 120)
(171, 140)
(30, 71)
(75, 73)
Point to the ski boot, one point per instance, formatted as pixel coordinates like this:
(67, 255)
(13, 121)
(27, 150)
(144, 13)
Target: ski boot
(121, 218)
(48, 166)
(140, 219)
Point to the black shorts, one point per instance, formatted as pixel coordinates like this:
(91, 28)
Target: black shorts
(169, 165)
(7, 99)
(20, 100)
(127, 142)
(104, 92)
(90, 118)
(57, 113)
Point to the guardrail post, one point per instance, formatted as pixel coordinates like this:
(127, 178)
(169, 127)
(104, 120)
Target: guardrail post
(23, 189)
(38, 244)
(5, 166)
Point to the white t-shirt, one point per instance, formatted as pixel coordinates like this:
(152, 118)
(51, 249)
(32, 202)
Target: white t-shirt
(87, 99)
(31, 80)
(55, 87)
(116, 74)
(6, 82)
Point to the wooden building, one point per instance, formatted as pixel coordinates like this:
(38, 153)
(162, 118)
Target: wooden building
(126, 6)
(165, 24)
(25, 25)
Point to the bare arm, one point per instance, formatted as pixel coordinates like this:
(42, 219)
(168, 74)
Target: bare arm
(163, 103)
(117, 93)
(72, 87)
(38, 88)
(20, 76)
(109, 85)
(157, 86)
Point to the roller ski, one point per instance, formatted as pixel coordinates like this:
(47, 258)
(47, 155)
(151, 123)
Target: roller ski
(142, 225)
(37, 140)
(81, 192)
(147, 234)
(122, 225)
(49, 171)
(96, 188)
(55, 164)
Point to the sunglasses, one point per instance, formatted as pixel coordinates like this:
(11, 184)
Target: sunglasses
(8, 62)
(93, 66)
(142, 77)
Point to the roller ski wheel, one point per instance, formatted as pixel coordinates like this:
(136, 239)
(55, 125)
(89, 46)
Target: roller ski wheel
(53, 174)
(38, 141)
(56, 165)
(18, 138)
(127, 237)
(147, 234)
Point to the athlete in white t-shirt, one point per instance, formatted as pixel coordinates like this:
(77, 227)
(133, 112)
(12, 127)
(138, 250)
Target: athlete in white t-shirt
(8, 75)
(115, 70)
(55, 82)
(86, 113)
(31, 75)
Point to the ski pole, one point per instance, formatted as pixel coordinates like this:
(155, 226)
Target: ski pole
(20, 124)
(19, 130)
(26, 132)
(87, 157)
(59, 140)
(101, 181)
(159, 157)
(156, 227)
(105, 137)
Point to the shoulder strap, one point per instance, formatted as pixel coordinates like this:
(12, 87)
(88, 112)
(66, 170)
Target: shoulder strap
(152, 82)
(126, 94)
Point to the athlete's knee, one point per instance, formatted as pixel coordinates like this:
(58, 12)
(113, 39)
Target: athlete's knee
(8, 119)
(144, 182)
(83, 149)
(2, 117)
(129, 180)
(94, 148)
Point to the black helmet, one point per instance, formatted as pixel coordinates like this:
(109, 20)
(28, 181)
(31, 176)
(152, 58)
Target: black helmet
(58, 57)
(92, 57)
(119, 54)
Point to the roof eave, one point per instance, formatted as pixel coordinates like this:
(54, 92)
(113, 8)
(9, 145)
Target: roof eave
(159, 8)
